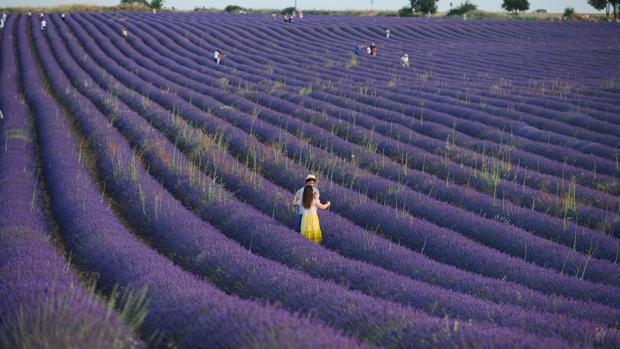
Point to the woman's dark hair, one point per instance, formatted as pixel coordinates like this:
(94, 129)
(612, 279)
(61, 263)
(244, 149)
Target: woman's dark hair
(308, 196)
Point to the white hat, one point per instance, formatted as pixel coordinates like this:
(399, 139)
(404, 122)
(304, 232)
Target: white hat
(310, 177)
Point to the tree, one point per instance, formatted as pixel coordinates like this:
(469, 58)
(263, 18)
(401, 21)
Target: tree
(128, 2)
(614, 5)
(598, 4)
(606, 5)
(289, 11)
(233, 8)
(424, 6)
(516, 5)
(157, 4)
(405, 12)
(569, 13)
(462, 9)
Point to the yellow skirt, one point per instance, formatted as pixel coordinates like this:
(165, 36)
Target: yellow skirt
(310, 227)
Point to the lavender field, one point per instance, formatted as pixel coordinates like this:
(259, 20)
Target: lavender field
(146, 192)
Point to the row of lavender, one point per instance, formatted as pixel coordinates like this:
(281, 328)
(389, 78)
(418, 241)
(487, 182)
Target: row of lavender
(389, 226)
(230, 267)
(594, 216)
(337, 41)
(182, 309)
(41, 299)
(151, 212)
(249, 123)
(165, 215)
(554, 229)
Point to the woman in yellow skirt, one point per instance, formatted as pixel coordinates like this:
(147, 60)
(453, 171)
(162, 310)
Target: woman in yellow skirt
(310, 226)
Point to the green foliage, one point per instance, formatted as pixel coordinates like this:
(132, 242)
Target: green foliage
(157, 4)
(463, 8)
(516, 5)
(405, 12)
(233, 8)
(598, 4)
(424, 6)
(141, 2)
(289, 11)
(569, 12)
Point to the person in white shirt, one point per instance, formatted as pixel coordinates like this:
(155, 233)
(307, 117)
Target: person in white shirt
(404, 60)
(217, 56)
(297, 200)
(43, 24)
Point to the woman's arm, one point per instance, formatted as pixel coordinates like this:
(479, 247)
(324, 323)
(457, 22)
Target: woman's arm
(323, 206)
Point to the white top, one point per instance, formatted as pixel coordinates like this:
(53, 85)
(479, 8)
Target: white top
(43, 24)
(313, 208)
(216, 54)
(298, 200)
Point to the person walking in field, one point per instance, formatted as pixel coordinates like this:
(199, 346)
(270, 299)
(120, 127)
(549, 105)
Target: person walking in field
(43, 24)
(404, 60)
(310, 225)
(217, 56)
(358, 49)
(125, 32)
(373, 49)
(298, 199)
(388, 33)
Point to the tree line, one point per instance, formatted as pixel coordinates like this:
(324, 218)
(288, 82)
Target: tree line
(430, 6)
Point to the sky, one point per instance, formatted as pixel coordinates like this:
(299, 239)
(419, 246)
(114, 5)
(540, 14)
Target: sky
(488, 5)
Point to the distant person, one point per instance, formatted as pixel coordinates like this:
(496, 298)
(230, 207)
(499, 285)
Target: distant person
(310, 224)
(301, 15)
(154, 11)
(298, 199)
(357, 49)
(29, 13)
(217, 56)
(1, 115)
(62, 16)
(125, 32)
(273, 17)
(43, 24)
(4, 16)
(404, 60)
(368, 50)
(41, 15)
(388, 33)
(1, 23)
(373, 49)
(285, 18)
(429, 14)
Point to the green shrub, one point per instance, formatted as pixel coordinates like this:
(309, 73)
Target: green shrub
(405, 12)
(289, 11)
(462, 9)
(233, 8)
